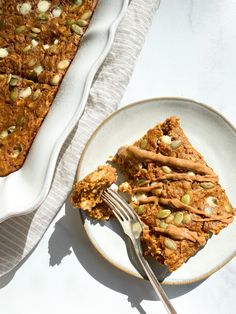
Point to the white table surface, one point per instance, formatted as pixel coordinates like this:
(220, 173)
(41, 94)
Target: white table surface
(190, 51)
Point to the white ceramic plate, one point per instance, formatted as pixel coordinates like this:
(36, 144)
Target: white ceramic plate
(24, 190)
(210, 133)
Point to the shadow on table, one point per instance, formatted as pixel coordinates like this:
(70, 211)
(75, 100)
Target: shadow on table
(22, 237)
(6, 279)
(136, 289)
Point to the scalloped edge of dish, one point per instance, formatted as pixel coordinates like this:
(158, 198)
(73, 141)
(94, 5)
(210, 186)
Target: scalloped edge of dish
(51, 167)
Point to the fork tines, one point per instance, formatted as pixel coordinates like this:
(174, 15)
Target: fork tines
(118, 203)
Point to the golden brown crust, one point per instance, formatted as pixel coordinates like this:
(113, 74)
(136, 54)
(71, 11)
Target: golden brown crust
(38, 41)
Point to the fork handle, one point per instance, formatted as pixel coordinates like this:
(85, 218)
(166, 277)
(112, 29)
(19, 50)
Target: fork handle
(155, 283)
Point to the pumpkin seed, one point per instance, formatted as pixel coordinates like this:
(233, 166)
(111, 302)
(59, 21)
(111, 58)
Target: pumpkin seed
(191, 173)
(38, 69)
(45, 47)
(73, 8)
(36, 30)
(34, 43)
(186, 219)
(62, 65)
(43, 16)
(16, 151)
(170, 219)
(3, 134)
(36, 94)
(82, 23)
(228, 207)
(178, 218)
(26, 49)
(166, 169)
(14, 94)
(141, 209)
(25, 8)
(143, 143)
(3, 53)
(70, 22)
(166, 139)
(20, 120)
(211, 201)
(43, 6)
(176, 144)
(141, 182)
(186, 199)
(33, 35)
(133, 205)
(55, 79)
(86, 15)
(14, 80)
(163, 225)
(26, 92)
(11, 129)
(56, 12)
(20, 29)
(9, 78)
(77, 29)
(124, 187)
(53, 49)
(207, 185)
(32, 76)
(170, 244)
(163, 213)
(139, 196)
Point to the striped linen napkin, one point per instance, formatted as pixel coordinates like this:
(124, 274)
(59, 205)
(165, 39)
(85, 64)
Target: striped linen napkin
(19, 235)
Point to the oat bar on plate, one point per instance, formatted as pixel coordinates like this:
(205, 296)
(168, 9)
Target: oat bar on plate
(175, 193)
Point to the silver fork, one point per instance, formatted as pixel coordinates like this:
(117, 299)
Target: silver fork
(132, 227)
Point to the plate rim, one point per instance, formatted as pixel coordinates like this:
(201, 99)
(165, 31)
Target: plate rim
(58, 144)
(83, 215)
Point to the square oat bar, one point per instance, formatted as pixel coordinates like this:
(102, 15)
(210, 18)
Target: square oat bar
(175, 193)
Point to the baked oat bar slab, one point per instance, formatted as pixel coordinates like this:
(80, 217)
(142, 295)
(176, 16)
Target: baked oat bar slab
(38, 39)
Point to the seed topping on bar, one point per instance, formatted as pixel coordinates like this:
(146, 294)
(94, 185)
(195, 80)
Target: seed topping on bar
(176, 194)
